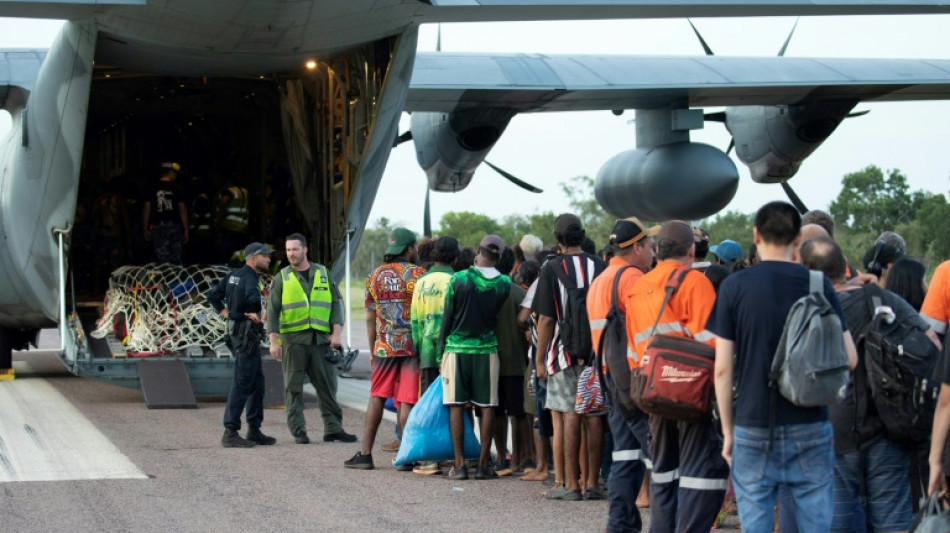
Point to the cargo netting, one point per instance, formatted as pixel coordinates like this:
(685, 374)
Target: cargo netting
(162, 308)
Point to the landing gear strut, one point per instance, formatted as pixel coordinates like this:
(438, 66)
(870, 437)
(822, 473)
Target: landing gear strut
(6, 354)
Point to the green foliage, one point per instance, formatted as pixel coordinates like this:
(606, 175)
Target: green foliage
(597, 223)
(870, 202)
(468, 227)
(730, 225)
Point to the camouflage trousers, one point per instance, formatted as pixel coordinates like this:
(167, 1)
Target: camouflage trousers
(166, 239)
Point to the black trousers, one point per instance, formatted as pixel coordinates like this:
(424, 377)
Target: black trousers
(630, 433)
(247, 388)
(689, 477)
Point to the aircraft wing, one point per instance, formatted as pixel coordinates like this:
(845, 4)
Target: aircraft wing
(443, 81)
(432, 11)
(18, 68)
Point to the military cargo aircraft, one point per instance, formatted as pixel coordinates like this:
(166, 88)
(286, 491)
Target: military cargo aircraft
(315, 89)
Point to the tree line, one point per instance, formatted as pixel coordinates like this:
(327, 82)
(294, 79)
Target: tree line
(870, 202)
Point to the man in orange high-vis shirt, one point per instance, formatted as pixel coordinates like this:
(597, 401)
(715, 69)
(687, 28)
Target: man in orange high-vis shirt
(632, 245)
(688, 481)
(936, 306)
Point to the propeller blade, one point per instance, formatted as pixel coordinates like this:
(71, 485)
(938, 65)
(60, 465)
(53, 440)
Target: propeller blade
(407, 136)
(858, 113)
(718, 116)
(732, 144)
(510, 177)
(796, 201)
(781, 53)
(702, 41)
(426, 217)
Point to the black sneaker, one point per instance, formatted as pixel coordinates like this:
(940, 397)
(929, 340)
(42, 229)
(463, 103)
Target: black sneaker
(458, 473)
(485, 473)
(360, 462)
(232, 439)
(255, 435)
(339, 436)
(302, 438)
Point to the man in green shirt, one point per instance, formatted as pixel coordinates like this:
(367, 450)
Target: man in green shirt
(470, 360)
(304, 318)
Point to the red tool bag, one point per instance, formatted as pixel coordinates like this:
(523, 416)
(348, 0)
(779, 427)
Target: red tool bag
(675, 377)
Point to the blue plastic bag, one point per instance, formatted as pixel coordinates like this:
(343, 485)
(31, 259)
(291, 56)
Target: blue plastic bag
(426, 435)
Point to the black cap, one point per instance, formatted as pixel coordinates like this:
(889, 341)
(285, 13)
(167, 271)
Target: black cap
(445, 245)
(628, 231)
(256, 248)
(567, 223)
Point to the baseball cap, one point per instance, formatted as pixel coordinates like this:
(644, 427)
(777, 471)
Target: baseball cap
(493, 243)
(628, 231)
(399, 238)
(169, 165)
(256, 248)
(566, 223)
(673, 235)
(445, 246)
(727, 250)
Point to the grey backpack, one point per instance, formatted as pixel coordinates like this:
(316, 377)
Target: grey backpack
(810, 367)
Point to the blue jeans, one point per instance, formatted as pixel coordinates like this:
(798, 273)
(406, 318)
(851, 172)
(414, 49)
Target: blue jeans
(802, 458)
(882, 470)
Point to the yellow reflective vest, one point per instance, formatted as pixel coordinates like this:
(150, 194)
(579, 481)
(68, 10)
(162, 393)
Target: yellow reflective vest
(299, 312)
(236, 212)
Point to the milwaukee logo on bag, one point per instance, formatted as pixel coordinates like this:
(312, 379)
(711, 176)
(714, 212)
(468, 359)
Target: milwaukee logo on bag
(674, 375)
(675, 378)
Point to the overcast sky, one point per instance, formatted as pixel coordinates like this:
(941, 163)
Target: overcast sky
(549, 148)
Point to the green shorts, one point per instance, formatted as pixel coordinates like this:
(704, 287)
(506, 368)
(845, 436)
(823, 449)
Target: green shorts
(470, 377)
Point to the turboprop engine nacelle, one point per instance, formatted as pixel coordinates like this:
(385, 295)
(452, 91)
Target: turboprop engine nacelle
(450, 146)
(774, 140)
(681, 180)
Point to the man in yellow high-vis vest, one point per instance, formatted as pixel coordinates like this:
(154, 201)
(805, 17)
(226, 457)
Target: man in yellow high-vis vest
(304, 319)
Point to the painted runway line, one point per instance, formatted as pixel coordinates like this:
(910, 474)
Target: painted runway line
(43, 437)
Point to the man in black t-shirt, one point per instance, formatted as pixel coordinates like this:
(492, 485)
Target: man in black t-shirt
(748, 319)
(561, 368)
(165, 216)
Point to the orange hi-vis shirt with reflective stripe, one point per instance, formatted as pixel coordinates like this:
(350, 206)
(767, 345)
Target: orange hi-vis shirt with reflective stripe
(936, 306)
(685, 314)
(598, 300)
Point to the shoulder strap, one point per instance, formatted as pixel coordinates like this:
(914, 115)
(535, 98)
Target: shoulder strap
(616, 285)
(816, 282)
(561, 273)
(673, 283)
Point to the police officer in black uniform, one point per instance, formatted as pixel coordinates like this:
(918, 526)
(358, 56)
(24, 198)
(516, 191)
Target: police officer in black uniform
(241, 291)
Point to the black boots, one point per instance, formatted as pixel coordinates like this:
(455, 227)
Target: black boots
(255, 435)
(232, 439)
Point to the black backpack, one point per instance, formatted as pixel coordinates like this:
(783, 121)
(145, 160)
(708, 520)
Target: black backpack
(901, 366)
(573, 323)
(613, 350)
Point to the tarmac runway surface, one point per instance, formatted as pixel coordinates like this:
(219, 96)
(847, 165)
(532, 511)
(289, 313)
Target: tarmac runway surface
(96, 459)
